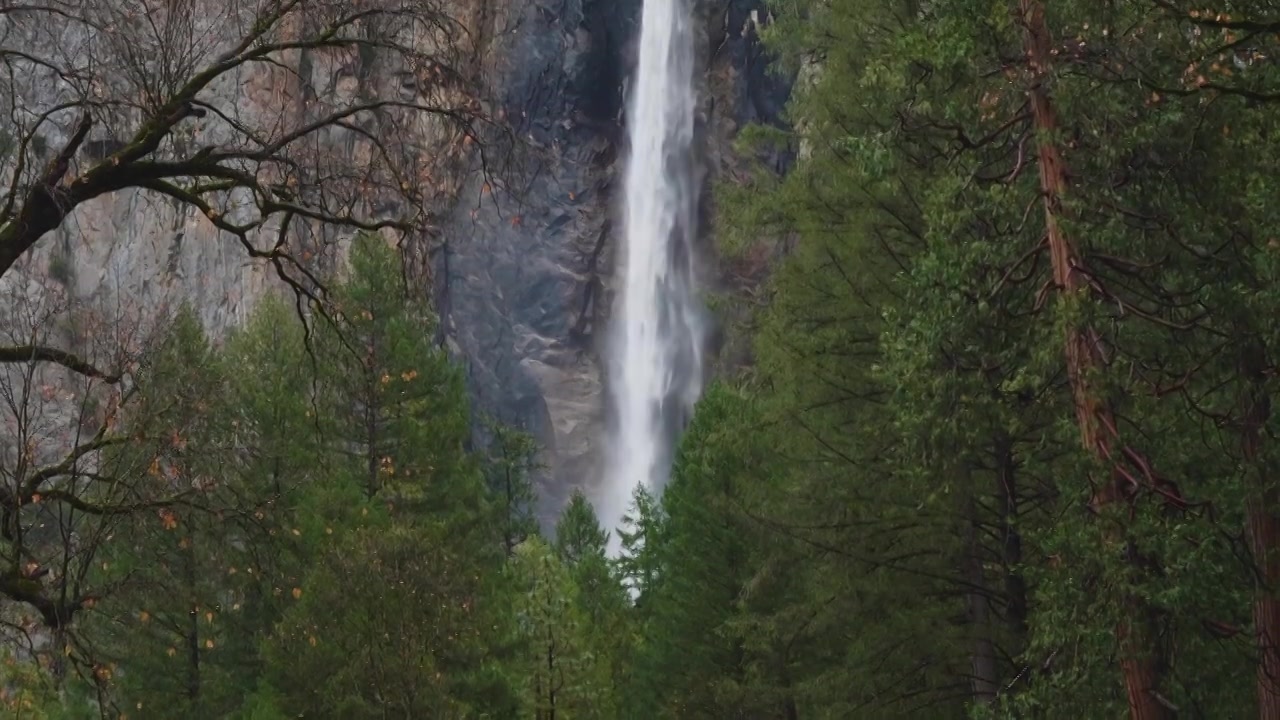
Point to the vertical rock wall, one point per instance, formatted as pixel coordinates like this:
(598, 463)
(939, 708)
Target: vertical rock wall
(526, 276)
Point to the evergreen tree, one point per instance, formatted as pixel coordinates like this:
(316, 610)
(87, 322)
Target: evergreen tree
(511, 460)
(1005, 249)
(581, 545)
(411, 552)
(393, 409)
(561, 676)
(176, 633)
(716, 643)
(389, 622)
(641, 535)
(578, 532)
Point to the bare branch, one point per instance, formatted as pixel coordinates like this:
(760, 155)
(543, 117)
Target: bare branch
(37, 353)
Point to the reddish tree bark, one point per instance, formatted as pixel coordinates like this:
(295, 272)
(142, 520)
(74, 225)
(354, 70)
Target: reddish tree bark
(1262, 529)
(1264, 536)
(1084, 355)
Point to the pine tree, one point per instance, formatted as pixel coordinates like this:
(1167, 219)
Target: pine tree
(410, 549)
(581, 545)
(192, 590)
(1007, 245)
(720, 639)
(393, 409)
(641, 535)
(512, 457)
(578, 532)
(388, 622)
(885, 437)
(561, 676)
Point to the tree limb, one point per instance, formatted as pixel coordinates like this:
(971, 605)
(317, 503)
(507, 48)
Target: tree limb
(42, 354)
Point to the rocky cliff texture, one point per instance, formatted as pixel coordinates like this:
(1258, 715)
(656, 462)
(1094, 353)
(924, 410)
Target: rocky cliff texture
(527, 273)
(523, 266)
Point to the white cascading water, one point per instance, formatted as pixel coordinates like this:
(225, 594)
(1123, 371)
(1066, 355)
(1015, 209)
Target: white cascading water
(655, 352)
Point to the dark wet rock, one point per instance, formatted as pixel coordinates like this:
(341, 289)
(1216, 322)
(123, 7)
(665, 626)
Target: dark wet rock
(528, 267)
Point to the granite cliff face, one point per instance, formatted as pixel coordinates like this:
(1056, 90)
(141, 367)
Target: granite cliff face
(526, 282)
(523, 261)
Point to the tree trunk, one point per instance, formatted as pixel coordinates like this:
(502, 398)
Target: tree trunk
(509, 538)
(193, 627)
(1262, 529)
(982, 658)
(58, 656)
(790, 710)
(371, 433)
(1083, 356)
(1015, 587)
(1264, 536)
(551, 680)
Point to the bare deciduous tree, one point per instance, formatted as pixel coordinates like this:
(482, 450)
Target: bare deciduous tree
(283, 126)
(60, 413)
(277, 121)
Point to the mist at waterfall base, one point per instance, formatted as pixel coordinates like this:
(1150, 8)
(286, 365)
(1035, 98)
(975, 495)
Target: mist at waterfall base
(655, 351)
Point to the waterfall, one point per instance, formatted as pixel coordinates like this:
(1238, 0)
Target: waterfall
(656, 342)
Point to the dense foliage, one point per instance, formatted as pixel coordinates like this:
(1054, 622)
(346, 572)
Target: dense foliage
(332, 546)
(1015, 370)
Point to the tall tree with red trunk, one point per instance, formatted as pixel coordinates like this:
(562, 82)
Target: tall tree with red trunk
(1085, 358)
